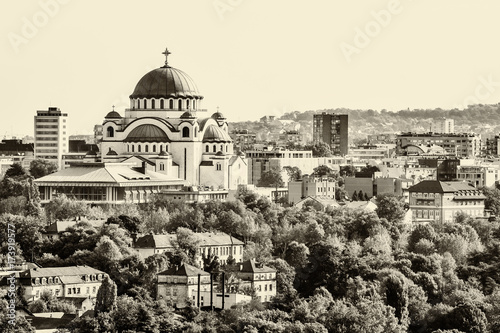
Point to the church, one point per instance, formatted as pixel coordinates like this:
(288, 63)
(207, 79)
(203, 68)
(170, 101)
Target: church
(166, 140)
(167, 126)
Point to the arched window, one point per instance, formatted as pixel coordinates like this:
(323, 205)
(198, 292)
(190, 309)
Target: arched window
(139, 148)
(138, 103)
(179, 104)
(187, 104)
(128, 148)
(162, 104)
(110, 131)
(226, 148)
(215, 149)
(166, 148)
(162, 167)
(132, 148)
(154, 148)
(206, 149)
(221, 147)
(194, 104)
(171, 104)
(146, 148)
(145, 103)
(161, 148)
(152, 104)
(219, 167)
(185, 132)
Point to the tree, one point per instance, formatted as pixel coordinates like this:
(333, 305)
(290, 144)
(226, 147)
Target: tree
(40, 168)
(322, 170)
(361, 195)
(16, 171)
(391, 207)
(321, 149)
(492, 201)
(106, 296)
(355, 196)
(187, 244)
(294, 173)
(271, 178)
(64, 208)
(347, 170)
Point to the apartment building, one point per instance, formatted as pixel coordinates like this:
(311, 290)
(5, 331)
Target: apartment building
(51, 135)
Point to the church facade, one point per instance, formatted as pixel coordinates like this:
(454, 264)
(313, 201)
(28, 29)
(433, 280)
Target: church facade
(167, 127)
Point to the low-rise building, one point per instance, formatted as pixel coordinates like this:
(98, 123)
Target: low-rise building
(432, 200)
(178, 286)
(460, 145)
(478, 175)
(78, 284)
(219, 244)
(259, 277)
(310, 186)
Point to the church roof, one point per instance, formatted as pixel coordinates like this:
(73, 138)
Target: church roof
(214, 133)
(113, 115)
(166, 82)
(147, 133)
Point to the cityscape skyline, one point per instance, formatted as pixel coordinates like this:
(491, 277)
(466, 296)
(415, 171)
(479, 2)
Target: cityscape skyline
(377, 55)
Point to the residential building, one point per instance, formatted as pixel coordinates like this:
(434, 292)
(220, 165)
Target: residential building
(78, 284)
(478, 175)
(51, 137)
(292, 137)
(333, 130)
(260, 161)
(259, 277)
(466, 145)
(243, 139)
(492, 146)
(433, 200)
(179, 286)
(220, 244)
(369, 152)
(443, 125)
(311, 186)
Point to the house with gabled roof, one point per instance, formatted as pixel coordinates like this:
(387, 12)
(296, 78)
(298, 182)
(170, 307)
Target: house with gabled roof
(77, 284)
(219, 244)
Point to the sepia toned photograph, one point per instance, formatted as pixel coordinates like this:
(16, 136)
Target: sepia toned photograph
(241, 166)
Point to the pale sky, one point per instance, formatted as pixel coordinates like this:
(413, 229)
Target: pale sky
(249, 57)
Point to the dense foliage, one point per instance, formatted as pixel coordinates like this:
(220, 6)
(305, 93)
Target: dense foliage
(338, 270)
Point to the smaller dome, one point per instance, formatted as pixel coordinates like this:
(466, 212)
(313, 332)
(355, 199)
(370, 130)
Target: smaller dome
(147, 133)
(214, 133)
(111, 152)
(219, 153)
(218, 115)
(187, 115)
(163, 153)
(113, 115)
(91, 153)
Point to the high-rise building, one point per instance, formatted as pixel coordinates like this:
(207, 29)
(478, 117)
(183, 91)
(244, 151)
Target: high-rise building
(332, 129)
(443, 125)
(51, 138)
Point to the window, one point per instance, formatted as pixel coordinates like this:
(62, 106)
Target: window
(110, 132)
(215, 149)
(138, 104)
(145, 103)
(69, 291)
(154, 148)
(162, 104)
(206, 149)
(179, 104)
(219, 167)
(187, 104)
(185, 132)
(194, 104)
(132, 148)
(162, 167)
(139, 148)
(152, 104)
(271, 287)
(146, 148)
(161, 148)
(88, 290)
(171, 104)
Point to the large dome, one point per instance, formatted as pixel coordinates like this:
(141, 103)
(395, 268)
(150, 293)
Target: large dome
(166, 82)
(216, 134)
